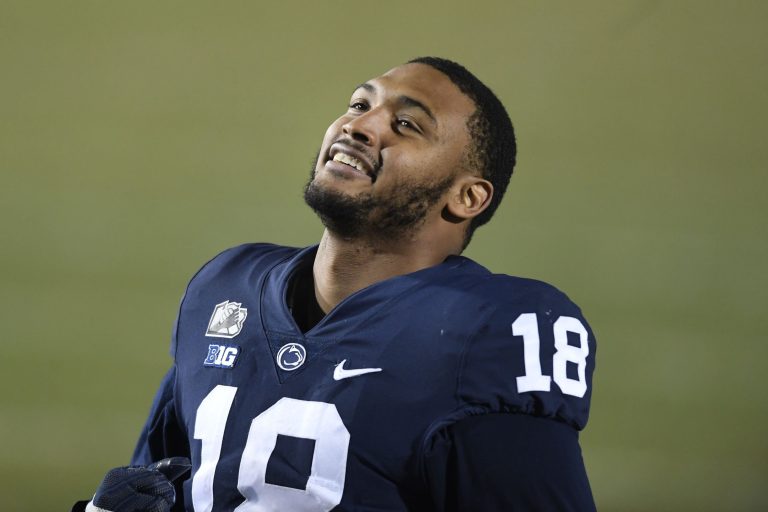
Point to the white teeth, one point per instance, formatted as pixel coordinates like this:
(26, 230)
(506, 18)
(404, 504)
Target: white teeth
(349, 160)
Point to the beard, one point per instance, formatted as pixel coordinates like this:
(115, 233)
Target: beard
(375, 217)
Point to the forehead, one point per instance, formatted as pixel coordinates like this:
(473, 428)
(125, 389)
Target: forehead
(428, 86)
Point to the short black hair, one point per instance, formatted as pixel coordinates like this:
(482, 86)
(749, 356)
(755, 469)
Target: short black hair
(494, 149)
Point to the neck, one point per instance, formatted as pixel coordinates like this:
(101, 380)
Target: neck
(343, 267)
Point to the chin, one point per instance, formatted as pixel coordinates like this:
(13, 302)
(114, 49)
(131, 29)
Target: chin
(342, 212)
(340, 183)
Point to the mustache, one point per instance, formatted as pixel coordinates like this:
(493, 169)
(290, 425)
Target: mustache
(362, 148)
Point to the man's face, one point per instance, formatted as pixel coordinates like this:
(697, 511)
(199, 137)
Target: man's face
(392, 155)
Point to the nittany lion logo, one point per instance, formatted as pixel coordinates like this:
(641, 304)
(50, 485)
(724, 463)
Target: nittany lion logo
(227, 320)
(291, 356)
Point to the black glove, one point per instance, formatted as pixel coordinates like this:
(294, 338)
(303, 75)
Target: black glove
(139, 488)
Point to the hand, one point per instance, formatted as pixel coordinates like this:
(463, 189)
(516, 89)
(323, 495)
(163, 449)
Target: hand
(139, 488)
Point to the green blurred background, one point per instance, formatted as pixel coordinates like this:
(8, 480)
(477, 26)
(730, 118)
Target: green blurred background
(138, 139)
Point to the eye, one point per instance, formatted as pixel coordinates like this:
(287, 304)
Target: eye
(358, 105)
(402, 123)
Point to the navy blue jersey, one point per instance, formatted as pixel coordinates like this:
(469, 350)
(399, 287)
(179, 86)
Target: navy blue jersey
(383, 403)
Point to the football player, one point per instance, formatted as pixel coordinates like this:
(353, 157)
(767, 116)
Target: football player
(378, 370)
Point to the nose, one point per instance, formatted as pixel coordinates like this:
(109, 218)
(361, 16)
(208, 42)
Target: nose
(364, 128)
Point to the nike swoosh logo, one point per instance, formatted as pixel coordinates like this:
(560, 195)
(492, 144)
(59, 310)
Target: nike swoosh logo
(341, 373)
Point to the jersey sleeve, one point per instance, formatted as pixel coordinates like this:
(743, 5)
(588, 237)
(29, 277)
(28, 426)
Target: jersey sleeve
(532, 352)
(162, 435)
(507, 462)
(523, 394)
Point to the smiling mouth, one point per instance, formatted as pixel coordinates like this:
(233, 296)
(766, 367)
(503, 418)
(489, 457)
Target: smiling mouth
(350, 160)
(348, 155)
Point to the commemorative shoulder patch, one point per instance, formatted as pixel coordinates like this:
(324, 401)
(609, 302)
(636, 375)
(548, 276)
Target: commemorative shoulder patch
(226, 320)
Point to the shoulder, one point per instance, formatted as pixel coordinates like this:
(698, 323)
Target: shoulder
(504, 291)
(475, 291)
(236, 272)
(226, 283)
(532, 351)
(235, 266)
(252, 255)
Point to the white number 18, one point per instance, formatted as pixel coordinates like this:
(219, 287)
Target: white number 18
(527, 326)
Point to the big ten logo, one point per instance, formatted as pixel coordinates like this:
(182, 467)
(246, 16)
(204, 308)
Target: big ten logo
(221, 356)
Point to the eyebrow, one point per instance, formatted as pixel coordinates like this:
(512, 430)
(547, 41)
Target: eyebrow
(402, 99)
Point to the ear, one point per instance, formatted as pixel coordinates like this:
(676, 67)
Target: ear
(471, 195)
